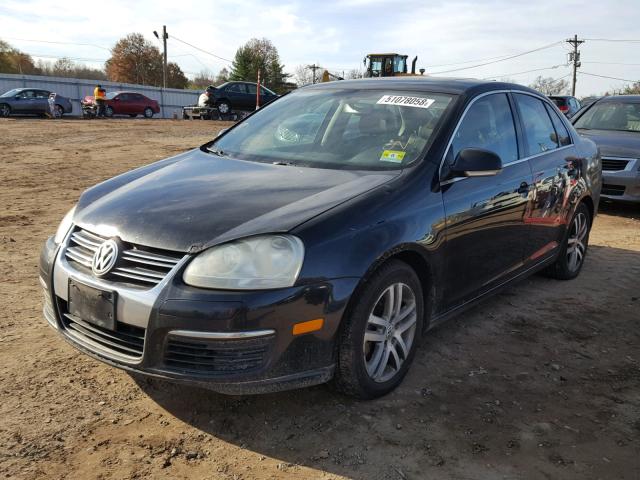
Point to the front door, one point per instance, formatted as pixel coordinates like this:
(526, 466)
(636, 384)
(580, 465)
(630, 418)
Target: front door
(485, 227)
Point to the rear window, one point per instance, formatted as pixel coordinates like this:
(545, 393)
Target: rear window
(560, 102)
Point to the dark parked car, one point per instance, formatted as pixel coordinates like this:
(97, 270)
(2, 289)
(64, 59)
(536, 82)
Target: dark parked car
(32, 101)
(240, 96)
(566, 104)
(127, 103)
(613, 123)
(276, 257)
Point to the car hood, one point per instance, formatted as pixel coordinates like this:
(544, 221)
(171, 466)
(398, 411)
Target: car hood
(613, 143)
(196, 199)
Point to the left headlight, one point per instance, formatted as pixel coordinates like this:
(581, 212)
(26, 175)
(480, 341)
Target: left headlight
(253, 263)
(64, 226)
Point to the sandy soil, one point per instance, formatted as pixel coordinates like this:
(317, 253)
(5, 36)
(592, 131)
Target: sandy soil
(542, 381)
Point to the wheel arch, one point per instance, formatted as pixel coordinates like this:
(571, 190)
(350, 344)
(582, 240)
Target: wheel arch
(588, 201)
(413, 256)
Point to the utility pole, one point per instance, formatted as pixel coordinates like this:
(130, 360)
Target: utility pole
(574, 57)
(165, 35)
(314, 67)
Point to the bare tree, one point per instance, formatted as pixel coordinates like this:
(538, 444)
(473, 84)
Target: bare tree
(302, 75)
(550, 85)
(354, 73)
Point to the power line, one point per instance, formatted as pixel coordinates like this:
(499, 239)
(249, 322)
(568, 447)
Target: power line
(200, 49)
(612, 40)
(604, 76)
(60, 43)
(501, 60)
(526, 71)
(615, 63)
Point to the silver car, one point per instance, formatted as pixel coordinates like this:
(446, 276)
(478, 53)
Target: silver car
(613, 123)
(32, 101)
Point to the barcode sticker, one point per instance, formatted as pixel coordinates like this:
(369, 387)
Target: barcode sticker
(403, 101)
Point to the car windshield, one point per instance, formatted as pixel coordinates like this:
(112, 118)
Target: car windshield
(611, 115)
(11, 93)
(338, 128)
(110, 95)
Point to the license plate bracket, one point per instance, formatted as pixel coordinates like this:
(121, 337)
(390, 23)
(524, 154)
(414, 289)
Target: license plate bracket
(93, 305)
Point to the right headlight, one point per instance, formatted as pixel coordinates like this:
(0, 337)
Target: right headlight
(253, 263)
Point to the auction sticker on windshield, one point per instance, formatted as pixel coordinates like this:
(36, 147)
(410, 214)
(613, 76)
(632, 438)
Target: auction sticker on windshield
(404, 101)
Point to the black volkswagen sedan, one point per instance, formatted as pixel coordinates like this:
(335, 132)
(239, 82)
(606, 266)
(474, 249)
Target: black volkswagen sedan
(322, 236)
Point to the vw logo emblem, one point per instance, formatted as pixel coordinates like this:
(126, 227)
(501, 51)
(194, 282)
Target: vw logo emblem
(105, 258)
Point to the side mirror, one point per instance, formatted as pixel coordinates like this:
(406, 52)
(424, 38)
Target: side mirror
(476, 162)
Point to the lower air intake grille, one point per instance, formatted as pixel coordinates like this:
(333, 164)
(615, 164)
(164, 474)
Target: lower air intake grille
(126, 340)
(216, 357)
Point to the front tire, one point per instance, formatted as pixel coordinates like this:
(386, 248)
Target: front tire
(379, 339)
(148, 112)
(108, 112)
(224, 107)
(572, 254)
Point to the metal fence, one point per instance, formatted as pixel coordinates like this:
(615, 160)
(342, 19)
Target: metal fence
(171, 100)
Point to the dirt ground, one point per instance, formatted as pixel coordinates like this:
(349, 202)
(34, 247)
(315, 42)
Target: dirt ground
(539, 382)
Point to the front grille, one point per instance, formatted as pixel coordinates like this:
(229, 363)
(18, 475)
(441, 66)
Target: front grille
(614, 164)
(614, 190)
(137, 265)
(127, 340)
(216, 357)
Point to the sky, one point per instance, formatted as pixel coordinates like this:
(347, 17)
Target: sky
(338, 34)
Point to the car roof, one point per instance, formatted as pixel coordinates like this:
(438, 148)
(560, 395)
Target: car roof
(456, 86)
(621, 98)
(561, 96)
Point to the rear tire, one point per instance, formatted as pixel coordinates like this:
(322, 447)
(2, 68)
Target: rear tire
(574, 249)
(5, 110)
(148, 112)
(58, 111)
(379, 338)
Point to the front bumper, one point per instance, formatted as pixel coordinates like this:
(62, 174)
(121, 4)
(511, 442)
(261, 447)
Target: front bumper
(623, 185)
(230, 342)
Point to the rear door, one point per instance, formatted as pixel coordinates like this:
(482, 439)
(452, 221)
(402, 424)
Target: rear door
(41, 101)
(138, 103)
(485, 228)
(554, 164)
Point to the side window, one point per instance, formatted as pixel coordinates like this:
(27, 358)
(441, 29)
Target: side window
(563, 134)
(42, 94)
(264, 91)
(252, 89)
(488, 124)
(28, 94)
(236, 88)
(538, 129)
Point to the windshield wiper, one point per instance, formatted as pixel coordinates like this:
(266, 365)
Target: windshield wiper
(280, 162)
(216, 151)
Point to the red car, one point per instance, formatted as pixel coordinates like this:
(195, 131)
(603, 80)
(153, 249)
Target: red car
(128, 103)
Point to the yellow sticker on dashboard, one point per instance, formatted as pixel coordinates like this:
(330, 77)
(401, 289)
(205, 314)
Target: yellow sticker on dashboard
(395, 156)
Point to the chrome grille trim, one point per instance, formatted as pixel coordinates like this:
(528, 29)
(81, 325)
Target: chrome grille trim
(136, 265)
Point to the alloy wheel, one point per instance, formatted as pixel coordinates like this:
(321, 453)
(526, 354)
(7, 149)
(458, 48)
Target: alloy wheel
(57, 111)
(576, 245)
(390, 332)
(224, 108)
(4, 110)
